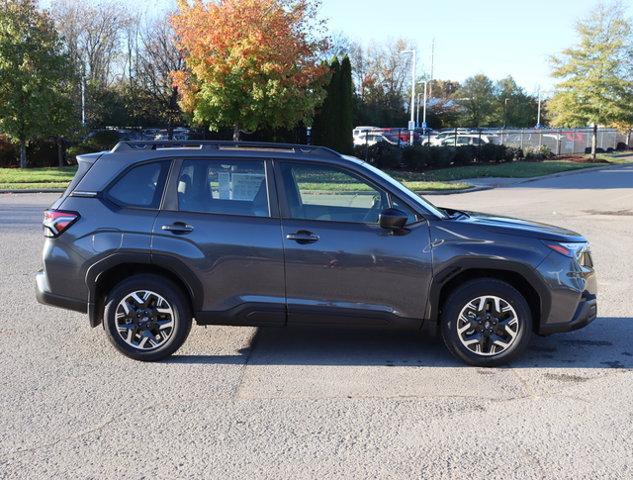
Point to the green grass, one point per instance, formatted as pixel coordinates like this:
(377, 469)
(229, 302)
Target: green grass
(49, 176)
(507, 170)
(616, 158)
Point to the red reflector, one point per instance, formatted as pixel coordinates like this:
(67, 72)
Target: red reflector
(57, 221)
(560, 249)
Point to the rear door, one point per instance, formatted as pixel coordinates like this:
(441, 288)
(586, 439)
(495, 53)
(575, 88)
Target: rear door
(220, 226)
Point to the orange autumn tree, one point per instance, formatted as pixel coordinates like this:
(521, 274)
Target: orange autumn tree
(250, 63)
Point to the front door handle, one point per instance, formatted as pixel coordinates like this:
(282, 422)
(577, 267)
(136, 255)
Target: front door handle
(303, 237)
(178, 227)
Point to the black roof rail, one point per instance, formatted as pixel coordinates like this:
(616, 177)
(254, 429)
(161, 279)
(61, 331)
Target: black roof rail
(124, 146)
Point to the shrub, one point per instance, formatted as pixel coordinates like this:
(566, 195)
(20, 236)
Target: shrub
(621, 147)
(72, 152)
(417, 158)
(442, 157)
(538, 154)
(384, 155)
(465, 155)
(598, 150)
(513, 153)
(8, 153)
(102, 140)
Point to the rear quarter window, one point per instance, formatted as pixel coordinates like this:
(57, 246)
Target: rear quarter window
(140, 186)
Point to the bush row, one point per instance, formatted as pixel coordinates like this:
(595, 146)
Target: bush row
(419, 158)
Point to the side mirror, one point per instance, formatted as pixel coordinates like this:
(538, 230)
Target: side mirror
(392, 219)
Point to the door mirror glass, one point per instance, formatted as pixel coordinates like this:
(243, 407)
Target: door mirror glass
(392, 219)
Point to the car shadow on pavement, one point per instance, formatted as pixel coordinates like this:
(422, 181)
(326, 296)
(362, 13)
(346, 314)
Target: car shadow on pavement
(606, 343)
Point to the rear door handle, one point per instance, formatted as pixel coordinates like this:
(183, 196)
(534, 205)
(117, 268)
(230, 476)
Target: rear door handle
(303, 237)
(178, 227)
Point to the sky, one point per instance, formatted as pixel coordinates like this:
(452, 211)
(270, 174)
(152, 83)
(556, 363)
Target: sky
(494, 37)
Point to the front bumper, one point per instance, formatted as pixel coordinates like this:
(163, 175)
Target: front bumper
(45, 297)
(586, 313)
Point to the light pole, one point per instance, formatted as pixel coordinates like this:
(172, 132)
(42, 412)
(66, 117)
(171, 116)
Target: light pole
(412, 108)
(417, 119)
(538, 114)
(505, 113)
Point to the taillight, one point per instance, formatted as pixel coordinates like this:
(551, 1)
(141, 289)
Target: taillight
(57, 222)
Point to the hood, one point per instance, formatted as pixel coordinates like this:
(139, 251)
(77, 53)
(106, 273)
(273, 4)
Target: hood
(515, 226)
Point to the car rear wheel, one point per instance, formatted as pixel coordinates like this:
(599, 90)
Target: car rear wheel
(486, 322)
(147, 317)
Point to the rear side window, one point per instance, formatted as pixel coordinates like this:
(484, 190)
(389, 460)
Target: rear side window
(230, 187)
(142, 186)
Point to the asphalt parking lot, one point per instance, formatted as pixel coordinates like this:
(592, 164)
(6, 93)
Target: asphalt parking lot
(253, 403)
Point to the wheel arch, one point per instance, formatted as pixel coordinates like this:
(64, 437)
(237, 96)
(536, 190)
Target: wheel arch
(520, 276)
(104, 275)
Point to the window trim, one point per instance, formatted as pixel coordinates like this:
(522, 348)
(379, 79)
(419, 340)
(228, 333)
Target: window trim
(284, 208)
(171, 192)
(163, 187)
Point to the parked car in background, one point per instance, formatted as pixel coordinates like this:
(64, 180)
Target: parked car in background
(463, 139)
(374, 137)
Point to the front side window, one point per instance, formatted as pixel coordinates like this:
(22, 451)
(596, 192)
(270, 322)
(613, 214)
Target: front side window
(230, 187)
(330, 194)
(142, 186)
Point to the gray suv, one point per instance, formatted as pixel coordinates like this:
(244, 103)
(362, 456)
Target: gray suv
(149, 236)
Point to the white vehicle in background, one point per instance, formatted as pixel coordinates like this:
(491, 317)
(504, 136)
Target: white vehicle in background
(372, 138)
(359, 134)
(465, 139)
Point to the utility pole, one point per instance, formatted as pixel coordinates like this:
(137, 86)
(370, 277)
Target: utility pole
(412, 107)
(83, 100)
(432, 62)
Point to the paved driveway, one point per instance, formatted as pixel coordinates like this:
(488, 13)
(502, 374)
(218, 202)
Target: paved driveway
(248, 403)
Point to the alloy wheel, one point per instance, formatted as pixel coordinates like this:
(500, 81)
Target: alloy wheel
(145, 320)
(487, 325)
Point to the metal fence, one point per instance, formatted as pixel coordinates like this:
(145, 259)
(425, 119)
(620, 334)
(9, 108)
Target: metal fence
(560, 141)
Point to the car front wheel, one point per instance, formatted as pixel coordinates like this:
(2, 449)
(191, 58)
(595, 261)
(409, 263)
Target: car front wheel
(147, 317)
(486, 322)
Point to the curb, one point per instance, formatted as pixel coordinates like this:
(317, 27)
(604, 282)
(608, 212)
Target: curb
(571, 172)
(34, 190)
(454, 192)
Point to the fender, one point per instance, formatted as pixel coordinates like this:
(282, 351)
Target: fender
(171, 264)
(461, 264)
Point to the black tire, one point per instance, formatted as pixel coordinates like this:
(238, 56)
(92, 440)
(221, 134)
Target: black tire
(171, 294)
(461, 297)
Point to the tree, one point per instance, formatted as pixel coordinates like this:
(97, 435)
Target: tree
(155, 95)
(324, 126)
(249, 63)
(595, 86)
(477, 99)
(515, 107)
(32, 74)
(382, 77)
(94, 36)
(346, 120)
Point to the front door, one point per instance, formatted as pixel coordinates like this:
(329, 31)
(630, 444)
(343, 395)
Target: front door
(221, 234)
(341, 267)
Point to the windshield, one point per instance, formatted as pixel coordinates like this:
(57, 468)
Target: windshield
(401, 188)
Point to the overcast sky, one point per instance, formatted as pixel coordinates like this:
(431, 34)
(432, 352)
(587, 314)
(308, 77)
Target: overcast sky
(494, 37)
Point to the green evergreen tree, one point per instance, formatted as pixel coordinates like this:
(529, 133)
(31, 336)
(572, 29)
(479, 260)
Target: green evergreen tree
(346, 107)
(324, 126)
